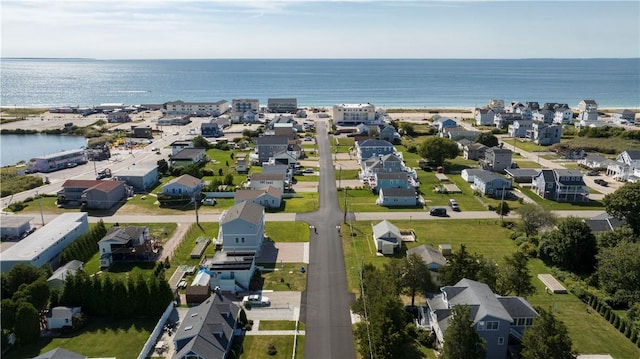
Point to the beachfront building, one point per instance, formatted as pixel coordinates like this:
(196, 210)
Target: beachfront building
(44, 245)
(519, 128)
(588, 110)
(624, 117)
(241, 107)
(196, 108)
(484, 116)
(562, 115)
(354, 114)
(58, 161)
(282, 105)
(545, 134)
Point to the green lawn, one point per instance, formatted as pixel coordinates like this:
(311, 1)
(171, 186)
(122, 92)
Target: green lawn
(346, 174)
(466, 199)
(283, 276)
(280, 325)
(527, 146)
(255, 347)
(182, 253)
(287, 231)
(102, 337)
(302, 202)
(363, 200)
(527, 164)
(308, 177)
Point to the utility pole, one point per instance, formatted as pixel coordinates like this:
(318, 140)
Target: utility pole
(195, 204)
(345, 205)
(40, 206)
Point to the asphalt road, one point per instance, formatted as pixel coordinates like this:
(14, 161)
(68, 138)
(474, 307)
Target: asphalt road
(326, 301)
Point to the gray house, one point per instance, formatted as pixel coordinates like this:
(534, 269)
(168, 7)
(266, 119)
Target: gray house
(386, 237)
(561, 185)
(268, 146)
(484, 116)
(242, 227)
(519, 128)
(490, 184)
(94, 194)
(397, 197)
(496, 159)
(495, 318)
(369, 148)
(207, 330)
(474, 151)
(56, 281)
(139, 177)
(431, 256)
(391, 180)
(545, 134)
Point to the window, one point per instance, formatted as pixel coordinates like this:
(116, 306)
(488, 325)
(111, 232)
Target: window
(481, 325)
(236, 240)
(529, 321)
(500, 340)
(493, 325)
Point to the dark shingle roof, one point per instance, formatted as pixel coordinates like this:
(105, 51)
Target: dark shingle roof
(398, 192)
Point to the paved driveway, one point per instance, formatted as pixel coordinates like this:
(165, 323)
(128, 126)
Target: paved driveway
(296, 252)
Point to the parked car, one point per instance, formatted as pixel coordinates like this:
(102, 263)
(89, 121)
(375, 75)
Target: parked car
(601, 182)
(256, 300)
(454, 205)
(438, 211)
(308, 170)
(592, 173)
(209, 202)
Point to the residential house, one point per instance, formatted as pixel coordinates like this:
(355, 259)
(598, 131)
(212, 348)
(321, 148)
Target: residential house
(522, 175)
(44, 245)
(56, 280)
(282, 105)
(626, 167)
(491, 184)
(543, 116)
(262, 181)
(231, 271)
(389, 133)
(211, 129)
(242, 227)
(594, 162)
(390, 180)
(177, 146)
(496, 104)
(282, 121)
(463, 142)
(520, 128)
(580, 123)
(207, 330)
(141, 178)
(397, 197)
(188, 156)
(468, 174)
(386, 163)
(431, 256)
(624, 117)
(60, 353)
(545, 134)
(60, 317)
(484, 116)
(93, 194)
(588, 110)
(369, 148)
(118, 117)
(496, 159)
(386, 237)
(183, 186)
(458, 133)
(502, 120)
(269, 198)
(281, 169)
(562, 116)
(494, 318)
(174, 121)
(141, 132)
(248, 117)
(604, 222)
(560, 185)
(268, 146)
(445, 122)
(124, 243)
(474, 151)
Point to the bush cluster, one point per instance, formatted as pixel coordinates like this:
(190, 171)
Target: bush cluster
(85, 246)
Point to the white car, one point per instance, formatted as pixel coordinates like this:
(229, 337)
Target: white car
(256, 300)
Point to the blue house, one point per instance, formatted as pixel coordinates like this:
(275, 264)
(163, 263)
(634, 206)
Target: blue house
(397, 197)
(369, 148)
(560, 185)
(445, 122)
(490, 184)
(391, 180)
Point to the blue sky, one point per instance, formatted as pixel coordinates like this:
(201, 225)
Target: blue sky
(148, 29)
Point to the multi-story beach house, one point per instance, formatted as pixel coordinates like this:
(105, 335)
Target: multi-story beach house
(496, 159)
(562, 115)
(624, 117)
(519, 128)
(626, 167)
(588, 110)
(501, 120)
(196, 108)
(369, 148)
(560, 185)
(543, 115)
(484, 116)
(354, 114)
(545, 134)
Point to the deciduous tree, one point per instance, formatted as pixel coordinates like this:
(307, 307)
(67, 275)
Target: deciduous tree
(416, 277)
(619, 272)
(460, 339)
(514, 276)
(438, 149)
(624, 203)
(609, 239)
(27, 328)
(462, 264)
(548, 338)
(488, 139)
(571, 246)
(534, 218)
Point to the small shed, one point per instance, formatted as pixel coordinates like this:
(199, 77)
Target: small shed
(445, 249)
(201, 245)
(196, 294)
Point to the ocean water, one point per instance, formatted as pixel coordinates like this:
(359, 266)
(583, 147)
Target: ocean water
(386, 83)
(15, 148)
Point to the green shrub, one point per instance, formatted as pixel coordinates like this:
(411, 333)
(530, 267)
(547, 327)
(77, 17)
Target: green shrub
(271, 349)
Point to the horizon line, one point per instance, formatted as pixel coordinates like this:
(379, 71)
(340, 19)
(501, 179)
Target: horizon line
(314, 58)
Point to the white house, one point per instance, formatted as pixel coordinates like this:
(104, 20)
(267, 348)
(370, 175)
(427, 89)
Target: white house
(354, 114)
(468, 174)
(386, 237)
(269, 198)
(562, 116)
(185, 185)
(242, 228)
(231, 271)
(397, 197)
(59, 317)
(484, 116)
(262, 181)
(130, 242)
(624, 117)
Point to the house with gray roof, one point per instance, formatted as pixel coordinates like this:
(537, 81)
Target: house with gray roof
(262, 181)
(522, 175)
(398, 197)
(431, 256)
(468, 174)
(496, 159)
(207, 330)
(386, 237)
(188, 156)
(545, 134)
(385, 163)
(490, 184)
(56, 280)
(560, 185)
(242, 227)
(231, 271)
(484, 116)
(370, 148)
(624, 117)
(474, 151)
(268, 146)
(519, 128)
(60, 353)
(458, 133)
(60, 317)
(185, 185)
(391, 180)
(588, 110)
(389, 133)
(494, 318)
(594, 162)
(269, 198)
(502, 120)
(604, 222)
(124, 243)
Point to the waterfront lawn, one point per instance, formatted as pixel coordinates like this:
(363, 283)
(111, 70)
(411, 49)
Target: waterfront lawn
(255, 347)
(102, 337)
(489, 239)
(302, 202)
(562, 206)
(287, 231)
(283, 277)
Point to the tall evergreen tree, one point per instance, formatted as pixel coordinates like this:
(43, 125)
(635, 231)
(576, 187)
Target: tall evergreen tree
(416, 277)
(460, 338)
(8, 309)
(548, 338)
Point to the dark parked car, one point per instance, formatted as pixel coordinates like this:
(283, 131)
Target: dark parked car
(439, 212)
(592, 173)
(601, 182)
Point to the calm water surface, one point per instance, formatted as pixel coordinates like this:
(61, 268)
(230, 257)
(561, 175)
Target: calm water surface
(15, 148)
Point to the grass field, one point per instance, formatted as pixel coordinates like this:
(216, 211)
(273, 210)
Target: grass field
(304, 202)
(283, 277)
(182, 253)
(559, 206)
(102, 337)
(280, 325)
(287, 231)
(255, 347)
